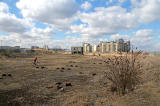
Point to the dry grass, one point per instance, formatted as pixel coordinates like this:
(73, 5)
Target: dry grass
(35, 86)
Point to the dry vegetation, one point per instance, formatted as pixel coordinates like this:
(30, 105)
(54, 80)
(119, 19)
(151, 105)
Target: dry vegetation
(75, 80)
(124, 72)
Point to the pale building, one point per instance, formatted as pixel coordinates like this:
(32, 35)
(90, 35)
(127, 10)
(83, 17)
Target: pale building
(94, 48)
(104, 47)
(87, 48)
(112, 47)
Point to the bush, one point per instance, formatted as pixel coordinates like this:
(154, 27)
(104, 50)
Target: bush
(124, 71)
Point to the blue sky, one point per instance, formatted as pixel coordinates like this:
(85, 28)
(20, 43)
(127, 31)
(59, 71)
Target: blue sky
(66, 23)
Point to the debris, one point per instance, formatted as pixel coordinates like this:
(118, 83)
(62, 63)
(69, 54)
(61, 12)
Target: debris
(80, 73)
(68, 84)
(58, 83)
(4, 75)
(76, 66)
(62, 68)
(43, 67)
(62, 89)
(59, 87)
(71, 65)
(94, 74)
(10, 75)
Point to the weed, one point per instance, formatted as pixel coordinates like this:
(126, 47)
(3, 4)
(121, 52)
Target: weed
(124, 71)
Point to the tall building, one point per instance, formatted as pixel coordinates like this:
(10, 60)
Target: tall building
(114, 46)
(104, 47)
(87, 48)
(94, 48)
(123, 46)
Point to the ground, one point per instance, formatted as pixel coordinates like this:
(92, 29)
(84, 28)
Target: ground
(36, 85)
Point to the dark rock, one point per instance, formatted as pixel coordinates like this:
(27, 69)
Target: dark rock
(68, 84)
(94, 74)
(4, 75)
(58, 83)
(71, 65)
(80, 73)
(43, 67)
(10, 75)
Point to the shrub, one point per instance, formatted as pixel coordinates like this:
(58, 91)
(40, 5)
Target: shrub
(124, 71)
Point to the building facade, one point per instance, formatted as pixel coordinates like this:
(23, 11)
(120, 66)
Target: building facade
(77, 50)
(103, 47)
(87, 48)
(109, 47)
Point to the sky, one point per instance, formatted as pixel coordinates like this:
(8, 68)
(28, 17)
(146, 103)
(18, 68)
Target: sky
(66, 23)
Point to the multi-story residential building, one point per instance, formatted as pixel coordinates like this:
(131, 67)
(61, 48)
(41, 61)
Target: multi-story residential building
(104, 47)
(110, 47)
(94, 48)
(87, 48)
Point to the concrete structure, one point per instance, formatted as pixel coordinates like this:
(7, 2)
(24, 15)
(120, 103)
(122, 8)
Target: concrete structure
(87, 48)
(108, 47)
(77, 50)
(112, 47)
(123, 46)
(104, 47)
(94, 48)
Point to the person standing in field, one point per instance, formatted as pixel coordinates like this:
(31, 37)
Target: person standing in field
(35, 61)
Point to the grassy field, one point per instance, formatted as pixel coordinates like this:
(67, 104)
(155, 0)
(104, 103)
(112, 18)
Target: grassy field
(36, 86)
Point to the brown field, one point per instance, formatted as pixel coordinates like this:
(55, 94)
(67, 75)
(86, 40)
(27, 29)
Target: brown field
(31, 86)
